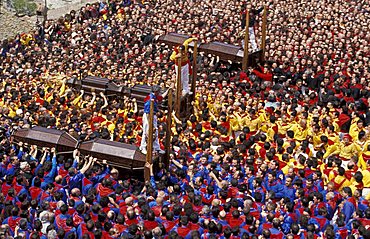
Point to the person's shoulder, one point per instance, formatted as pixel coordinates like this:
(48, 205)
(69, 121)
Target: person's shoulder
(159, 97)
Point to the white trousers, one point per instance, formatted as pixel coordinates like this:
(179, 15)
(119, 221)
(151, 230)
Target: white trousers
(365, 192)
(252, 39)
(184, 78)
(143, 144)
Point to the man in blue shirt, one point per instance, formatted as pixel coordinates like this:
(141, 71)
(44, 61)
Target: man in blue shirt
(76, 176)
(157, 98)
(349, 203)
(274, 184)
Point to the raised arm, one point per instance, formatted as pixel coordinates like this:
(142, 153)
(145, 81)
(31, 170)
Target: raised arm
(105, 100)
(187, 42)
(76, 158)
(218, 182)
(179, 165)
(43, 158)
(174, 55)
(33, 152)
(175, 118)
(91, 103)
(164, 95)
(63, 86)
(78, 98)
(87, 164)
(135, 105)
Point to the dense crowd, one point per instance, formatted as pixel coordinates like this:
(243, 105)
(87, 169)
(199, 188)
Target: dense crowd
(279, 151)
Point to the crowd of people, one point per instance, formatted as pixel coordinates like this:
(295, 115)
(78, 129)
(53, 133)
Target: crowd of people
(278, 151)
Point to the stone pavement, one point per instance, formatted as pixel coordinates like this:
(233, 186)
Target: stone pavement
(12, 25)
(58, 8)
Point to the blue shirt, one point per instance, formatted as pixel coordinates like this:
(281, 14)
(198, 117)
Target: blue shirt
(76, 181)
(147, 103)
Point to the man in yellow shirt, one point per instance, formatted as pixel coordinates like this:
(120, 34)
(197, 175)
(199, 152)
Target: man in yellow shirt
(283, 125)
(356, 127)
(316, 134)
(181, 53)
(333, 137)
(300, 130)
(346, 150)
(340, 181)
(253, 121)
(366, 180)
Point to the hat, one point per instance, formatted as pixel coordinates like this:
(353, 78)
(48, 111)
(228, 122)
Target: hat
(347, 136)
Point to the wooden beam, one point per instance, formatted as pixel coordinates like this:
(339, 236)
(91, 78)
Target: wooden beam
(178, 88)
(168, 129)
(246, 43)
(194, 69)
(264, 26)
(149, 142)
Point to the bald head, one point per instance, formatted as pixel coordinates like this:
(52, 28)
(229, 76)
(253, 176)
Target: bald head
(129, 201)
(215, 202)
(76, 192)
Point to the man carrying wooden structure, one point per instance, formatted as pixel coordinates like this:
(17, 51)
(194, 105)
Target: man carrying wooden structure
(157, 98)
(180, 53)
(251, 20)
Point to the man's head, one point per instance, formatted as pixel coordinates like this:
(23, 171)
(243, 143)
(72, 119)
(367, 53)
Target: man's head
(156, 89)
(288, 181)
(182, 48)
(346, 192)
(271, 177)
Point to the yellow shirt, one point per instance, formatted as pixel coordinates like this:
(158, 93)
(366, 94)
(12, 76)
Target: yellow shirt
(346, 151)
(342, 182)
(289, 165)
(77, 100)
(361, 146)
(235, 122)
(316, 138)
(184, 57)
(330, 149)
(300, 133)
(366, 177)
(283, 127)
(333, 137)
(254, 124)
(12, 113)
(363, 157)
(271, 132)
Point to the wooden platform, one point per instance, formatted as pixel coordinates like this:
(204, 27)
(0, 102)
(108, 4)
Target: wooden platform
(225, 51)
(117, 154)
